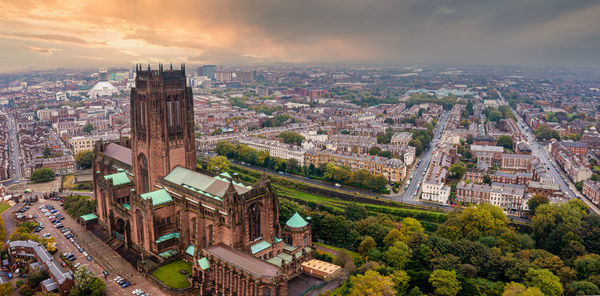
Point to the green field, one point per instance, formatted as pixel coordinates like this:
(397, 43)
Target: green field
(169, 274)
(352, 254)
(4, 206)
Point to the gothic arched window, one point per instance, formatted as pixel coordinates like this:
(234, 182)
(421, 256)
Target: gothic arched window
(254, 222)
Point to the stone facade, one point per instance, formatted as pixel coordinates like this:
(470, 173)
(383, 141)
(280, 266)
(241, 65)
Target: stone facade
(154, 202)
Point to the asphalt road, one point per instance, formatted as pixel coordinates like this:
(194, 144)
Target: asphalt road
(410, 195)
(551, 166)
(15, 152)
(102, 256)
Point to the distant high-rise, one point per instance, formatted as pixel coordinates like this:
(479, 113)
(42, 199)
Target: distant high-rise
(102, 74)
(209, 71)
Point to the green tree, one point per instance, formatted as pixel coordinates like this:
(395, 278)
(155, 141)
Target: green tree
(487, 180)
(84, 159)
(544, 132)
(36, 276)
(537, 200)
(292, 138)
(87, 284)
(47, 152)
(587, 265)
(382, 139)
(397, 255)
(457, 170)
(516, 289)
(400, 279)
(366, 245)
(415, 292)
(583, 288)
(42, 175)
(444, 282)
(495, 116)
(371, 284)
(378, 183)
(388, 121)
(25, 290)
(545, 280)
(375, 150)
(219, 163)
(88, 128)
(393, 236)
(225, 148)
(505, 141)
(287, 208)
(410, 226)
(418, 146)
(552, 222)
(356, 212)
(475, 222)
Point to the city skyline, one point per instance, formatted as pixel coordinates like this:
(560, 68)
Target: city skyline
(83, 34)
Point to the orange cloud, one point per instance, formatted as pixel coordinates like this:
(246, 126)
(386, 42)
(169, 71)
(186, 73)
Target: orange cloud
(43, 50)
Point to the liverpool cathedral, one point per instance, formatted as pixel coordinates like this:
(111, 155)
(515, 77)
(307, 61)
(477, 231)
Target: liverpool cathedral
(154, 202)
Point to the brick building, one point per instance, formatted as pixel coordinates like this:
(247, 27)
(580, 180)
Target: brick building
(59, 280)
(506, 196)
(591, 190)
(153, 202)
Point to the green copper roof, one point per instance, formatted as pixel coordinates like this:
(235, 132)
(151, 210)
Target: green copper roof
(259, 247)
(167, 237)
(158, 197)
(127, 207)
(168, 253)
(225, 174)
(275, 260)
(287, 258)
(276, 239)
(89, 217)
(213, 187)
(296, 221)
(118, 179)
(203, 262)
(191, 249)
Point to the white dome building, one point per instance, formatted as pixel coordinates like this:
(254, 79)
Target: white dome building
(103, 89)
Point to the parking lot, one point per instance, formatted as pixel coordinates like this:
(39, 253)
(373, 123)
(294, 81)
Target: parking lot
(102, 257)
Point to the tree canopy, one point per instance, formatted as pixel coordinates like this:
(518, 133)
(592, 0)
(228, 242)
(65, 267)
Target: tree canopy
(84, 159)
(42, 175)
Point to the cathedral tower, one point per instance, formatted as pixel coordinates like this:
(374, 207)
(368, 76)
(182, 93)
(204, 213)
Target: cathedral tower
(162, 125)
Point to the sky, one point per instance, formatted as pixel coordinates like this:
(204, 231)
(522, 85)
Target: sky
(69, 33)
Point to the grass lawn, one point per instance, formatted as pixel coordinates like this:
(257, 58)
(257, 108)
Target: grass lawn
(67, 182)
(170, 275)
(4, 206)
(351, 253)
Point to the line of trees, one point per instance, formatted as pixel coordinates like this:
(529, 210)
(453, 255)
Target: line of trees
(327, 172)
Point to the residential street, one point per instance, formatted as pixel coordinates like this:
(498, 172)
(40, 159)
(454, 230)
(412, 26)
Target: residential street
(552, 167)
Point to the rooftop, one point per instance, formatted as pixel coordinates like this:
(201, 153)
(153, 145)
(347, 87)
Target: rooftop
(159, 197)
(214, 187)
(296, 221)
(118, 179)
(244, 261)
(118, 152)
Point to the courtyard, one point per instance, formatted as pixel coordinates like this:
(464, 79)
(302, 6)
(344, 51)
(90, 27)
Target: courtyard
(171, 275)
